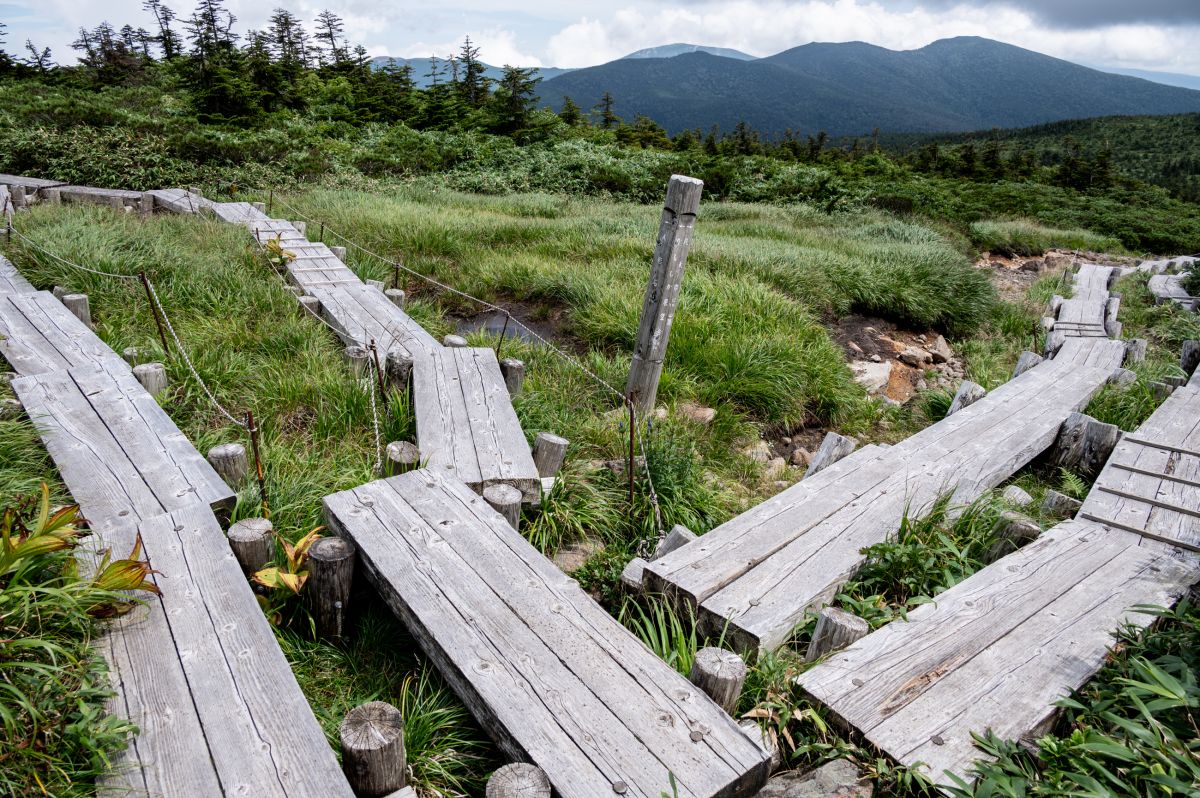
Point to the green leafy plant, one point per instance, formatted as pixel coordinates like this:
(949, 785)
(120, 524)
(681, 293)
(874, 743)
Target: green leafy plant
(672, 637)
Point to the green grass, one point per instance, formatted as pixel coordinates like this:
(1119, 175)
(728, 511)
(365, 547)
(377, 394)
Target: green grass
(1027, 238)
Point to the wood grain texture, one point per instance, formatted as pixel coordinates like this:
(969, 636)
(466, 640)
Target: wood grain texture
(11, 280)
(546, 671)
(996, 650)
(180, 200)
(38, 334)
(34, 183)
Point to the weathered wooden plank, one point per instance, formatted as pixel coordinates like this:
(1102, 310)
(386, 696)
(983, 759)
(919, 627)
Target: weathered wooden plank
(11, 281)
(101, 196)
(31, 183)
(555, 679)
(1097, 352)
(257, 735)
(1169, 288)
(180, 200)
(995, 651)
(38, 334)
(239, 213)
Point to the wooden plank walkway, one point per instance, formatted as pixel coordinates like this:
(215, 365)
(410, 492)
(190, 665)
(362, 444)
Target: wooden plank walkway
(754, 577)
(38, 334)
(1169, 288)
(33, 183)
(547, 672)
(11, 281)
(180, 200)
(199, 671)
(996, 650)
(1083, 315)
(99, 196)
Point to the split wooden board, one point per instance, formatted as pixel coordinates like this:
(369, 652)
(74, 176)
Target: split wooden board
(555, 679)
(199, 671)
(11, 281)
(995, 651)
(38, 334)
(180, 200)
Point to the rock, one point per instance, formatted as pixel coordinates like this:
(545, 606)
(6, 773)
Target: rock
(801, 457)
(902, 383)
(1059, 505)
(660, 414)
(759, 451)
(786, 441)
(1057, 260)
(921, 338)
(837, 779)
(698, 413)
(940, 350)
(775, 468)
(618, 466)
(1031, 266)
(571, 558)
(855, 348)
(876, 359)
(1014, 495)
(872, 376)
(914, 356)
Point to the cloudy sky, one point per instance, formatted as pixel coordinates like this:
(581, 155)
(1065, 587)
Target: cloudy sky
(1160, 35)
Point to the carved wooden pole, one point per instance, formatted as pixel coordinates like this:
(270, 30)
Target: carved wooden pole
(662, 292)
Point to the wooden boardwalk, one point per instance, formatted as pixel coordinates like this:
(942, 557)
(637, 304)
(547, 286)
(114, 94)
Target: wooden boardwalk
(38, 334)
(11, 281)
(1169, 288)
(547, 672)
(754, 577)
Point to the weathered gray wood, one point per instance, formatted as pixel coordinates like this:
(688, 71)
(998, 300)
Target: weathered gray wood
(1084, 444)
(180, 200)
(11, 281)
(1059, 505)
(79, 307)
(678, 537)
(401, 457)
(766, 741)
(1012, 531)
(131, 355)
(1189, 358)
(631, 574)
(662, 292)
(506, 500)
(29, 183)
(338, 252)
(549, 452)
(359, 360)
(330, 577)
(152, 376)
(514, 374)
(555, 679)
(968, 394)
(38, 334)
(395, 296)
(1135, 350)
(1017, 496)
(518, 780)
(720, 674)
(1161, 389)
(1123, 377)
(373, 756)
(253, 543)
(833, 448)
(835, 630)
(1025, 362)
(229, 461)
(117, 198)
(996, 650)
(309, 306)
(1056, 302)
(1111, 326)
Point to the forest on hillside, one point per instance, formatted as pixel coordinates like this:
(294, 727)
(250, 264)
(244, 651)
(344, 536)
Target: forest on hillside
(175, 98)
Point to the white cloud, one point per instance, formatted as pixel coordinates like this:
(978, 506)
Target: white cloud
(496, 46)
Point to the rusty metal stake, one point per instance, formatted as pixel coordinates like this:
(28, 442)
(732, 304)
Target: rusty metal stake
(270, 200)
(162, 333)
(632, 421)
(321, 237)
(258, 464)
(395, 275)
(503, 332)
(379, 377)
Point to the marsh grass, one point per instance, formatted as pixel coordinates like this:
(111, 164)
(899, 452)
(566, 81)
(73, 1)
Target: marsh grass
(1024, 237)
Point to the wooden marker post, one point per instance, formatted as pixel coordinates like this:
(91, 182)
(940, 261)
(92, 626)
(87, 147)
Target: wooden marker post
(720, 674)
(330, 576)
(662, 292)
(519, 780)
(372, 737)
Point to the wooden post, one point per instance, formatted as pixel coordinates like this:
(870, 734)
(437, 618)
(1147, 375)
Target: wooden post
(357, 357)
(968, 394)
(330, 573)
(1056, 302)
(1190, 357)
(1084, 443)
(833, 448)
(1054, 341)
(454, 341)
(309, 306)
(152, 376)
(229, 461)
(53, 196)
(506, 500)
(678, 537)
(372, 737)
(514, 374)
(1161, 390)
(835, 630)
(399, 365)
(131, 355)
(768, 742)
(518, 780)
(1111, 325)
(19, 197)
(339, 253)
(1135, 350)
(1059, 505)
(720, 673)
(258, 464)
(253, 543)
(1012, 531)
(146, 204)
(396, 295)
(301, 228)
(662, 292)
(78, 305)
(400, 457)
(549, 451)
(1025, 362)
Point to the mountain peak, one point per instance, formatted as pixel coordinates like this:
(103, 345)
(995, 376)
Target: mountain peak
(682, 48)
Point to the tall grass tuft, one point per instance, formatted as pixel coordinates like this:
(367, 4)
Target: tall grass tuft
(1025, 238)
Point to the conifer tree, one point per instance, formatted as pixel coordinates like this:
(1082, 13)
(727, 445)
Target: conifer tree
(329, 31)
(571, 113)
(608, 117)
(514, 98)
(167, 39)
(472, 85)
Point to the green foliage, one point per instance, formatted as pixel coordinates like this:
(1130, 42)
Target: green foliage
(1027, 238)
(664, 631)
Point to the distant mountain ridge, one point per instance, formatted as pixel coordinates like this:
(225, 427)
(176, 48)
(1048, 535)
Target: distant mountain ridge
(680, 48)
(422, 67)
(958, 84)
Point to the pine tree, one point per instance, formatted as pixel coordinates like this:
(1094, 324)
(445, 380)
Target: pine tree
(571, 113)
(288, 42)
(167, 39)
(608, 117)
(472, 84)
(514, 99)
(329, 31)
(39, 59)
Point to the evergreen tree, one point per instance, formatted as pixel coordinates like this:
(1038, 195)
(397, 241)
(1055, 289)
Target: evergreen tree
(571, 113)
(472, 85)
(167, 39)
(817, 145)
(441, 109)
(991, 161)
(968, 161)
(710, 142)
(221, 89)
(400, 90)
(40, 60)
(288, 42)
(744, 139)
(329, 32)
(514, 98)
(608, 117)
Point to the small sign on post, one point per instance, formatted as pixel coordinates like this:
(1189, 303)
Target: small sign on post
(662, 292)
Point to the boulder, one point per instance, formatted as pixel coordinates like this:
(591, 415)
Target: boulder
(837, 779)
(940, 350)
(775, 468)
(914, 356)
(1033, 265)
(1014, 495)
(872, 376)
(801, 457)
(698, 413)
(759, 451)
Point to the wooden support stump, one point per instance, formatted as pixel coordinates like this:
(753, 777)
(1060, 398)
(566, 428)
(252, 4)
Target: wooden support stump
(662, 291)
(359, 359)
(253, 543)
(833, 448)
(78, 305)
(400, 457)
(10, 409)
(330, 574)
(506, 500)
(294, 290)
(514, 374)
(376, 284)
(1175, 382)
(396, 295)
(59, 292)
(1135, 350)
(1025, 362)
(518, 780)
(1122, 377)
(309, 306)
(399, 365)
(1048, 323)
(301, 228)
(1012, 531)
(339, 253)
(1111, 325)
(835, 630)
(1161, 390)
(549, 452)
(631, 576)
(1017, 496)
(1056, 302)
(146, 204)
(1190, 357)
(152, 376)
(19, 198)
(131, 355)
(1054, 341)
(720, 674)
(769, 743)
(52, 196)
(1060, 505)
(678, 537)
(229, 461)
(372, 737)
(1084, 443)
(968, 394)
(454, 341)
